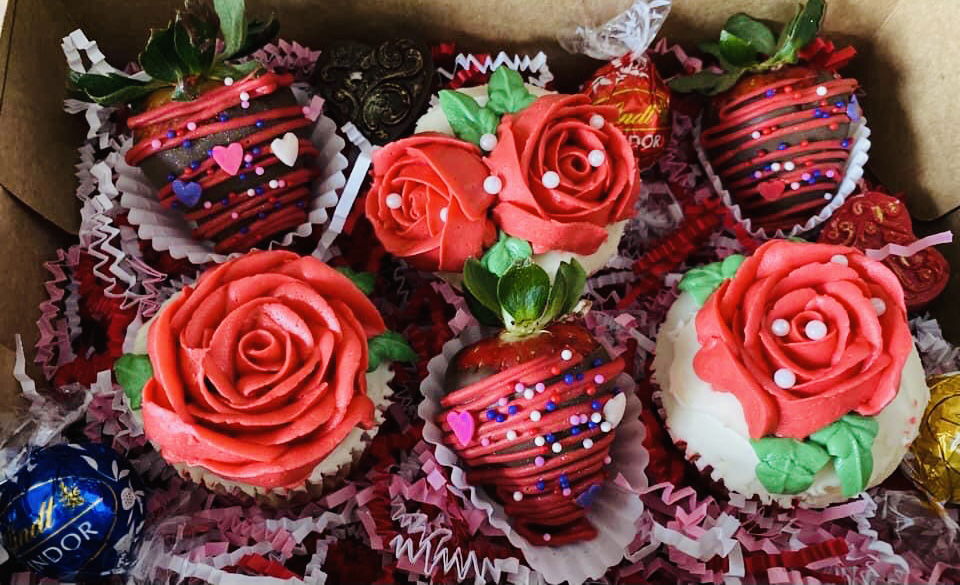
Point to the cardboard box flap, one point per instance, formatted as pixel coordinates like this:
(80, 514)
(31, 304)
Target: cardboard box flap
(37, 138)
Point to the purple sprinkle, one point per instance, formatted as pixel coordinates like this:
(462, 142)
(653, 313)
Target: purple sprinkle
(575, 431)
(277, 205)
(171, 177)
(845, 143)
(491, 415)
(242, 177)
(592, 425)
(258, 190)
(782, 146)
(568, 378)
(301, 204)
(258, 123)
(597, 363)
(261, 215)
(255, 150)
(770, 93)
(195, 164)
(225, 201)
(188, 144)
(223, 117)
(549, 437)
(816, 113)
(595, 405)
(501, 418)
(551, 406)
(513, 409)
(541, 485)
(244, 230)
(171, 133)
(579, 376)
(209, 152)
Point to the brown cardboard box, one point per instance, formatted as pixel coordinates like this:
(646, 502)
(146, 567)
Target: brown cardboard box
(908, 65)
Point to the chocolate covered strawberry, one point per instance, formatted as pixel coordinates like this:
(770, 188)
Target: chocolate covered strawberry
(531, 411)
(777, 134)
(225, 143)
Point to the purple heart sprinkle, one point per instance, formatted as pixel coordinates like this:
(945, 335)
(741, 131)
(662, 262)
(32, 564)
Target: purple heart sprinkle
(188, 192)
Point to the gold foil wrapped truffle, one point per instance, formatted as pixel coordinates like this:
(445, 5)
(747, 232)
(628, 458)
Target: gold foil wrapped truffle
(933, 462)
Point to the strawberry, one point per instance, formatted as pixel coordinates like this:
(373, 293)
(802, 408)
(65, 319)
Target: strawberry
(206, 131)
(776, 134)
(530, 411)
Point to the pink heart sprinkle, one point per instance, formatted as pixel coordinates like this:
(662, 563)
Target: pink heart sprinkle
(462, 425)
(229, 157)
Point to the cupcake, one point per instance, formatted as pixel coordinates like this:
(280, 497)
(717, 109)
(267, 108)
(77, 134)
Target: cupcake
(267, 377)
(791, 376)
(503, 172)
(780, 137)
(225, 144)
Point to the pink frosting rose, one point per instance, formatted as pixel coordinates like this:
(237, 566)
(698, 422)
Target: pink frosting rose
(804, 334)
(567, 173)
(427, 203)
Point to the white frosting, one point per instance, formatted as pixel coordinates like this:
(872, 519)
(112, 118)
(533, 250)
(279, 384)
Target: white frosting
(436, 121)
(714, 429)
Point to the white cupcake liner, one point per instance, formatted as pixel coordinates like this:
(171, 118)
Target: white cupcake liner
(169, 231)
(859, 133)
(614, 513)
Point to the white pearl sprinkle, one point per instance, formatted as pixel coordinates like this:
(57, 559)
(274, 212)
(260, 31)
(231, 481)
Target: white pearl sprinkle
(784, 378)
(503, 401)
(394, 201)
(546, 537)
(878, 305)
(492, 184)
(528, 393)
(828, 196)
(444, 213)
(535, 416)
(596, 158)
(550, 180)
(539, 441)
(228, 81)
(566, 355)
(822, 90)
(597, 121)
(755, 135)
(794, 185)
(587, 443)
(775, 166)
(488, 142)
(539, 387)
(518, 387)
(606, 427)
(789, 165)
(244, 96)
(815, 329)
(556, 447)
(517, 496)
(273, 184)
(596, 417)
(780, 327)
(251, 192)
(839, 259)
(511, 435)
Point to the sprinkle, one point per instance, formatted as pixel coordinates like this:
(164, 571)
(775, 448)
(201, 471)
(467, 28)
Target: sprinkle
(784, 378)
(244, 105)
(539, 387)
(546, 537)
(755, 135)
(262, 215)
(831, 173)
(244, 230)
(556, 447)
(596, 157)
(191, 126)
(815, 329)
(789, 166)
(587, 443)
(188, 144)
(821, 91)
(574, 419)
(579, 376)
(234, 215)
(207, 205)
(817, 112)
(539, 461)
(806, 176)
(599, 379)
(511, 435)
(535, 416)
(591, 425)
(794, 185)
(171, 177)
(248, 157)
(878, 305)
(244, 96)
(223, 116)
(501, 418)
(539, 441)
(770, 93)
(194, 164)
(775, 166)
(258, 124)
(242, 177)
(260, 171)
(491, 414)
(839, 259)
(444, 213)
(782, 146)
(258, 190)
(575, 431)
(517, 496)
(394, 201)
(597, 121)
(528, 393)
(583, 419)
(171, 133)
(845, 143)
(503, 401)
(564, 480)
(596, 417)
(273, 184)
(281, 183)
(597, 363)
(224, 201)
(566, 355)
(607, 460)
(541, 485)
(551, 406)
(492, 184)
(488, 142)
(518, 387)
(255, 150)
(228, 81)
(566, 492)
(485, 442)
(568, 378)
(155, 143)
(550, 180)
(605, 427)
(828, 196)
(513, 409)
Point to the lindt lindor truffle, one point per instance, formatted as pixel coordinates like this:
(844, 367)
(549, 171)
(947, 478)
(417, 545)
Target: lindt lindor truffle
(933, 462)
(74, 511)
(630, 81)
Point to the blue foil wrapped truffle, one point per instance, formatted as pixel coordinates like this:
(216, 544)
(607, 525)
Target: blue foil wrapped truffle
(73, 511)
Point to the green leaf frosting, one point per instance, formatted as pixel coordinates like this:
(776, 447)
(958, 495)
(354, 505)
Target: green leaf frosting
(701, 282)
(788, 466)
(389, 346)
(507, 92)
(467, 118)
(362, 280)
(850, 441)
(504, 253)
(133, 371)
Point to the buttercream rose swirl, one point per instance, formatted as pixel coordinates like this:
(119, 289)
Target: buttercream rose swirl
(259, 370)
(427, 203)
(804, 334)
(567, 173)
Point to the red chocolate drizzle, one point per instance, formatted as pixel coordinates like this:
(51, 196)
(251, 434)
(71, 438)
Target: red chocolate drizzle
(779, 146)
(554, 486)
(235, 212)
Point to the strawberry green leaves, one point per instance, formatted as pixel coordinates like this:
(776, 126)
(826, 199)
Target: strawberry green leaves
(701, 282)
(111, 88)
(504, 253)
(233, 26)
(469, 120)
(389, 346)
(850, 441)
(523, 297)
(362, 280)
(788, 466)
(747, 46)
(132, 372)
